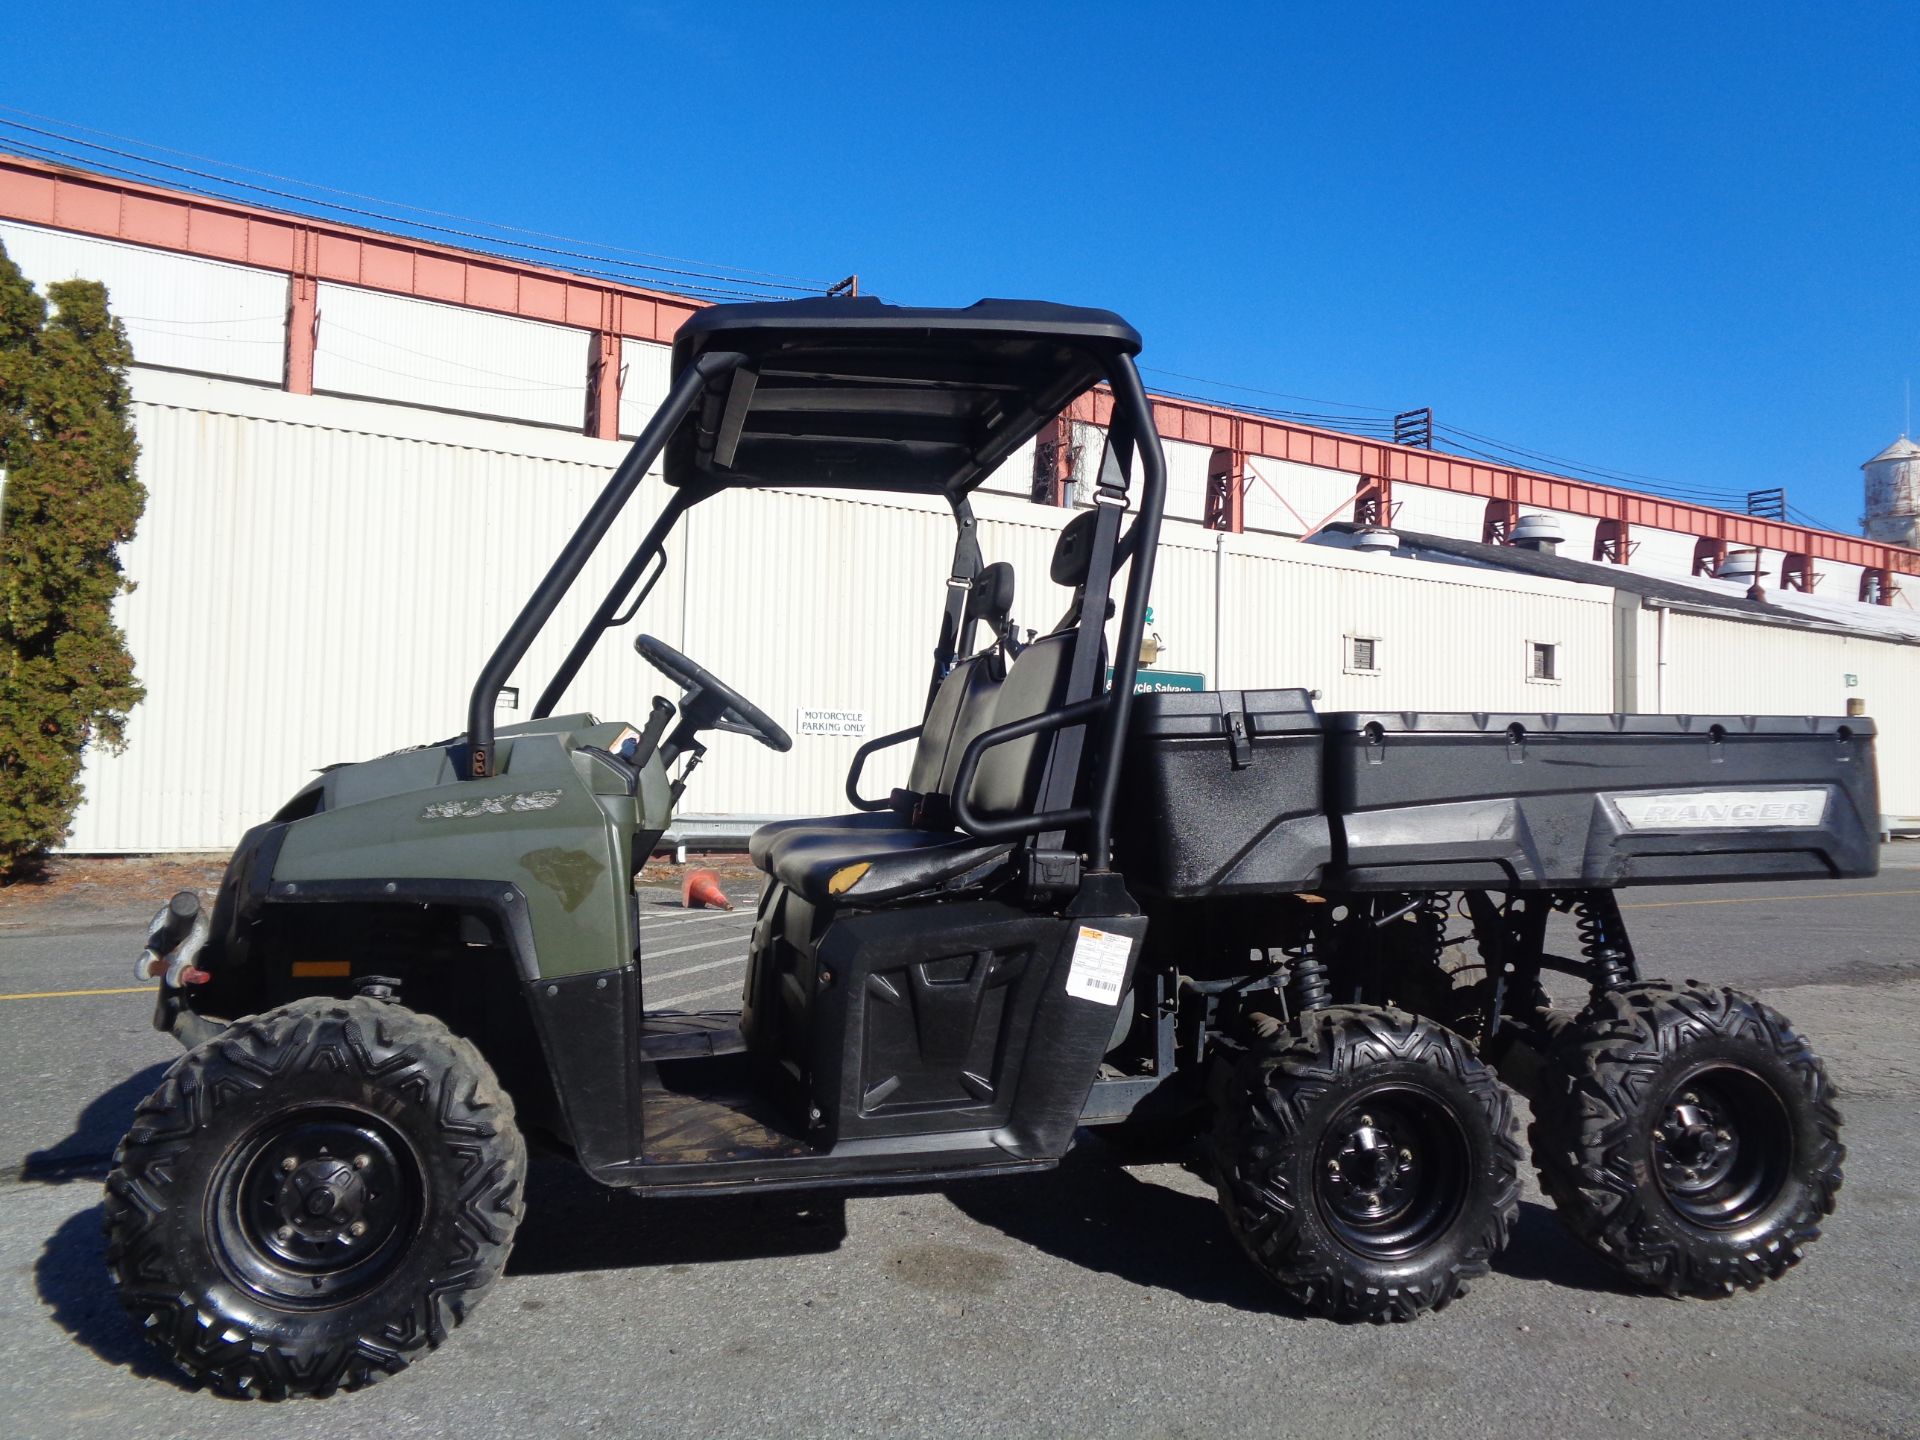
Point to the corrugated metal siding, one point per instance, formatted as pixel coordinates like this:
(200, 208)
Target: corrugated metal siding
(1662, 552)
(1186, 479)
(648, 370)
(310, 594)
(320, 579)
(393, 347)
(1439, 512)
(1726, 667)
(1285, 497)
(1450, 638)
(181, 313)
(1014, 475)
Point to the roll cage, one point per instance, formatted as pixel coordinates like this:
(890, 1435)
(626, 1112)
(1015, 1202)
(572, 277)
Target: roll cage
(853, 394)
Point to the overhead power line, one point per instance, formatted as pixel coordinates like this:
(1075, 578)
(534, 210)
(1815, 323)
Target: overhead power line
(58, 146)
(401, 204)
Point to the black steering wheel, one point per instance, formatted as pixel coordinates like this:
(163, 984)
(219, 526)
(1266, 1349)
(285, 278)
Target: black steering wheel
(708, 702)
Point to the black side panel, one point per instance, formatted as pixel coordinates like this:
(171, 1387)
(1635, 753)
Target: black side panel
(589, 1025)
(920, 1019)
(954, 1019)
(1439, 802)
(1221, 794)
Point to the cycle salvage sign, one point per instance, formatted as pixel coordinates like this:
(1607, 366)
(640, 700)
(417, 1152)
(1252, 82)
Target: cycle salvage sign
(836, 724)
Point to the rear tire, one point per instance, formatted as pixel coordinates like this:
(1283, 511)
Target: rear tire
(314, 1198)
(1367, 1162)
(1689, 1136)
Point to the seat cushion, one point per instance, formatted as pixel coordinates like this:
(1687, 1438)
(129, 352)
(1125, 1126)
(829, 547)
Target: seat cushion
(761, 844)
(862, 863)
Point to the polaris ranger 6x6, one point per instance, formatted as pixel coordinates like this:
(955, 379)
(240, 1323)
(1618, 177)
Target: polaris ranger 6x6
(1219, 915)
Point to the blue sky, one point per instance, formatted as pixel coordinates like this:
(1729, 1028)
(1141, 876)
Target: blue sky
(1678, 240)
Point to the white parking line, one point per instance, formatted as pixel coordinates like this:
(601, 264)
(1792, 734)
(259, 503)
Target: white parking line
(679, 1000)
(646, 954)
(661, 919)
(646, 979)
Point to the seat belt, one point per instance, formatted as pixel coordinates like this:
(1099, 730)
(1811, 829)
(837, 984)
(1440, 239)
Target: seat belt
(966, 567)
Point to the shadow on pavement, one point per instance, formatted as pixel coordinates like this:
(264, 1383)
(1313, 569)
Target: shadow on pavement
(1100, 1216)
(575, 1223)
(1104, 1218)
(1541, 1249)
(72, 1278)
(87, 1154)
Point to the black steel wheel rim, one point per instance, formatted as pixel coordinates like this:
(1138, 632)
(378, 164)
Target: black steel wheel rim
(317, 1206)
(1392, 1170)
(1721, 1145)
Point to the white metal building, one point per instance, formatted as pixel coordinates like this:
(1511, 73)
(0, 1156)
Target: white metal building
(320, 575)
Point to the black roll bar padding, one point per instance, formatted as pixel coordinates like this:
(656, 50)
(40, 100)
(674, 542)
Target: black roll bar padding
(1084, 682)
(609, 614)
(1129, 397)
(1015, 825)
(687, 389)
(912, 732)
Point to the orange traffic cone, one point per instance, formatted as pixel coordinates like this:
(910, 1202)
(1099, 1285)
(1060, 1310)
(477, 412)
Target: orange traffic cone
(701, 890)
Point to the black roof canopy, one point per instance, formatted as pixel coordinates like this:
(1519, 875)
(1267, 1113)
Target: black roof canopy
(854, 393)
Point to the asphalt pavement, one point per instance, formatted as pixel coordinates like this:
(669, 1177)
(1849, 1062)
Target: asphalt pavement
(1096, 1300)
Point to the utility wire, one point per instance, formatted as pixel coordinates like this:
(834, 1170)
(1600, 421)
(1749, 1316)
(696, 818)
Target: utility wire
(1256, 390)
(66, 158)
(384, 217)
(799, 280)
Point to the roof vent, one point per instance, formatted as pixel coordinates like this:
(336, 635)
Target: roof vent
(1744, 567)
(1541, 533)
(1375, 537)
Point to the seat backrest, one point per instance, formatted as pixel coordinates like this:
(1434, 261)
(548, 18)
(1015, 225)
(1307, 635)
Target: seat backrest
(1007, 781)
(963, 706)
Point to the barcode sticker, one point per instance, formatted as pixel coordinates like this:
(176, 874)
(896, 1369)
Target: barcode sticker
(1099, 965)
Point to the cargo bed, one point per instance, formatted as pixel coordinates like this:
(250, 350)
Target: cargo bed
(1250, 792)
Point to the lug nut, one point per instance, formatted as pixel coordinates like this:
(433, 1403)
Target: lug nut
(1367, 1120)
(358, 1228)
(1689, 1099)
(1723, 1136)
(1333, 1167)
(1406, 1155)
(360, 1162)
(289, 1164)
(285, 1232)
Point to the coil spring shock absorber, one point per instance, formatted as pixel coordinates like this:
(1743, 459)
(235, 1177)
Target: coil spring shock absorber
(1432, 915)
(1603, 941)
(1312, 990)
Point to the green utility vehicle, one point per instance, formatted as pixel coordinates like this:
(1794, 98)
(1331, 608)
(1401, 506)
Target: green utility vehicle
(1314, 942)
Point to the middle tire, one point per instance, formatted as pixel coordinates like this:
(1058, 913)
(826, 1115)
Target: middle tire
(1367, 1162)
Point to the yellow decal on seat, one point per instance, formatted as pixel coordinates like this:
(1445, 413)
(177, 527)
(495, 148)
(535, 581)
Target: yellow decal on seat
(848, 876)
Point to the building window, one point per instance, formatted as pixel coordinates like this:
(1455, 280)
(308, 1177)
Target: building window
(1363, 655)
(1543, 661)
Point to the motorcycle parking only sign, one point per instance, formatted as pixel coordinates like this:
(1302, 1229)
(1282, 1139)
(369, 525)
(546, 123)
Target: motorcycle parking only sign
(837, 724)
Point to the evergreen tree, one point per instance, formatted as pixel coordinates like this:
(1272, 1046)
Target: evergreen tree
(71, 500)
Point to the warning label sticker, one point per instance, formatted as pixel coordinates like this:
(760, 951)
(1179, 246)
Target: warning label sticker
(1099, 965)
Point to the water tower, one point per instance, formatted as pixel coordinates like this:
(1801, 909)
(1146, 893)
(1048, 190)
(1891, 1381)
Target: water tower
(1893, 494)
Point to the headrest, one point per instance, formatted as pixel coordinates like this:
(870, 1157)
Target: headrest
(992, 597)
(1073, 551)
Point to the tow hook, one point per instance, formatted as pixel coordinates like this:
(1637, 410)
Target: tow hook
(174, 941)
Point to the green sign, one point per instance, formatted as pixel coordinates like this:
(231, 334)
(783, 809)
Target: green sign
(1149, 681)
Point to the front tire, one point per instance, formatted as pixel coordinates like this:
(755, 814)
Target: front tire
(1368, 1163)
(314, 1198)
(1689, 1136)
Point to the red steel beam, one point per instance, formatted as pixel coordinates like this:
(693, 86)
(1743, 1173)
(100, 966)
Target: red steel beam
(39, 194)
(1210, 425)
